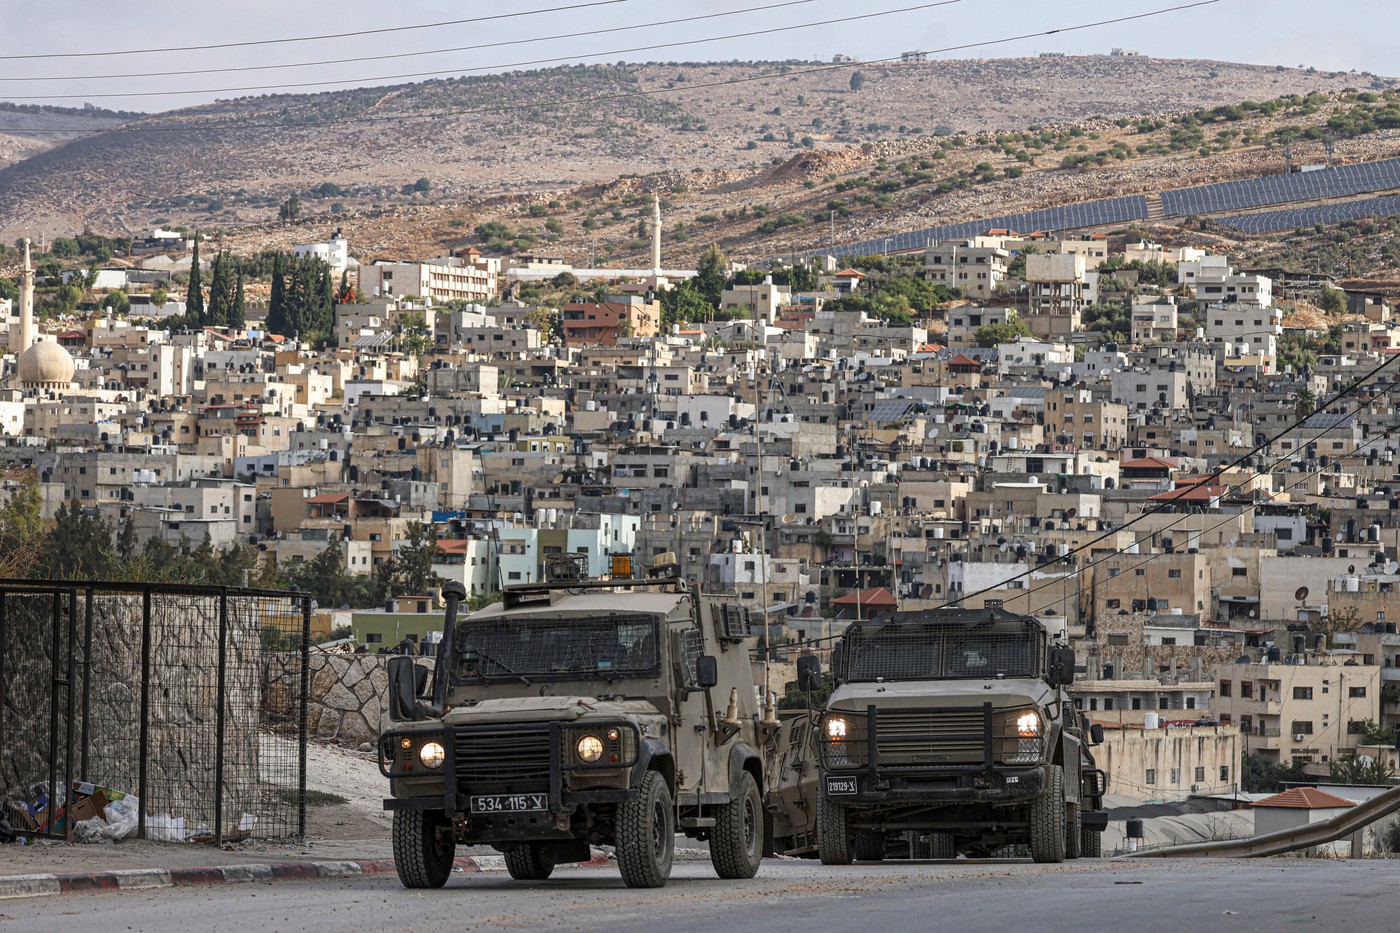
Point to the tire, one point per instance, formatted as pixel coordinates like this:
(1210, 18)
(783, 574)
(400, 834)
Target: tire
(533, 861)
(942, 846)
(1090, 843)
(1048, 819)
(646, 835)
(869, 847)
(422, 855)
(833, 842)
(1074, 838)
(736, 842)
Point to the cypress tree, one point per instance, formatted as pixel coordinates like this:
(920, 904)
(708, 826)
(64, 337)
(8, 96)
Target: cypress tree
(277, 304)
(216, 313)
(194, 306)
(238, 316)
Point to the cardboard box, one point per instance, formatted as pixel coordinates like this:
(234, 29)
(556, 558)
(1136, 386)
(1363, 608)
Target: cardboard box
(89, 806)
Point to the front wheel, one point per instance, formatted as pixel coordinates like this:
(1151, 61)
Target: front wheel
(423, 848)
(736, 844)
(1090, 842)
(533, 861)
(1048, 819)
(1073, 838)
(646, 835)
(833, 841)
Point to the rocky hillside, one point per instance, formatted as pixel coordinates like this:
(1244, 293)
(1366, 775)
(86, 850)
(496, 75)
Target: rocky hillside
(229, 165)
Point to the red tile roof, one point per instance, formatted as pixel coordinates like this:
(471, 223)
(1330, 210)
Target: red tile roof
(1305, 798)
(329, 498)
(1148, 463)
(962, 359)
(849, 274)
(875, 597)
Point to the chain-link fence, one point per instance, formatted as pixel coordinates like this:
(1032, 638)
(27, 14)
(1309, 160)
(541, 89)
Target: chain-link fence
(146, 708)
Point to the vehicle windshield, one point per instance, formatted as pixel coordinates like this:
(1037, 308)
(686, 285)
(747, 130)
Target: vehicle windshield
(494, 648)
(941, 651)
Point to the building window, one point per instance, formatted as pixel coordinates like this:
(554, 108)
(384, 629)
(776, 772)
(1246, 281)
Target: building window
(1176, 776)
(374, 638)
(1224, 772)
(1302, 727)
(1174, 574)
(1239, 571)
(1225, 688)
(1137, 702)
(1302, 693)
(1247, 689)
(1200, 774)
(1164, 702)
(1150, 777)
(1356, 691)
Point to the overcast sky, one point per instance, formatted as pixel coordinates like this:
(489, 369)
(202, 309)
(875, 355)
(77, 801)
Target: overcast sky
(1340, 35)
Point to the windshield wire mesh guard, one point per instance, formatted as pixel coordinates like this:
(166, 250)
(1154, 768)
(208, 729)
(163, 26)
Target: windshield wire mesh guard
(545, 647)
(942, 650)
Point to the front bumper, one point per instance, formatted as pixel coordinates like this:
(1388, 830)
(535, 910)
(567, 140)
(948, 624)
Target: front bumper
(482, 761)
(934, 787)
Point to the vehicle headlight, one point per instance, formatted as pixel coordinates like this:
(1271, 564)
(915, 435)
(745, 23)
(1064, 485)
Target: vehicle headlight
(589, 749)
(836, 729)
(1025, 738)
(432, 755)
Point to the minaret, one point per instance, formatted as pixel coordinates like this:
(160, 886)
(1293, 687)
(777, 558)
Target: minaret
(656, 234)
(26, 306)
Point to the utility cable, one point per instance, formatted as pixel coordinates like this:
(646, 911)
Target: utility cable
(530, 63)
(337, 35)
(375, 58)
(243, 124)
(1206, 480)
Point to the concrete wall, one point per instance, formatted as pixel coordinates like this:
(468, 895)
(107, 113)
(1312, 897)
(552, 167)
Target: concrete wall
(1173, 756)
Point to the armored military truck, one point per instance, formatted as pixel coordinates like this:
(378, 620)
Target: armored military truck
(948, 729)
(572, 714)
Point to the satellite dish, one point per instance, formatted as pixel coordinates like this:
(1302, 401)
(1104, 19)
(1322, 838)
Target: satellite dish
(1302, 594)
(1351, 568)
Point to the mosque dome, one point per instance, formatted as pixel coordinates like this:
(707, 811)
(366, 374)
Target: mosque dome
(45, 365)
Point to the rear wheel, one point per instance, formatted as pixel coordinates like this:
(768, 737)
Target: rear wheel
(869, 847)
(736, 844)
(833, 843)
(942, 846)
(1048, 819)
(646, 835)
(423, 848)
(1074, 843)
(1090, 842)
(533, 861)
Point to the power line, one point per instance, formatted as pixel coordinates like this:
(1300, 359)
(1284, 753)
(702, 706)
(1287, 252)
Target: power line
(236, 124)
(1244, 510)
(375, 58)
(1206, 480)
(336, 35)
(503, 65)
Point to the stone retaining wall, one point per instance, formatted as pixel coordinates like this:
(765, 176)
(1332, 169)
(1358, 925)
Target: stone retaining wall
(348, 700)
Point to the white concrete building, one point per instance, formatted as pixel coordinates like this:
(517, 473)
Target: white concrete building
(335, 252)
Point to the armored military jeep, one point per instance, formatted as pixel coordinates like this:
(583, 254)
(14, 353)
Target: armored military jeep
(575, 714)
(949, 730)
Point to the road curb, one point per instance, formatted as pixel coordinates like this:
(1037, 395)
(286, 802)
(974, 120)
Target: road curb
(46, 885)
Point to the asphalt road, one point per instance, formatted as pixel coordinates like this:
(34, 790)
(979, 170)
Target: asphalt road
(1172, 896)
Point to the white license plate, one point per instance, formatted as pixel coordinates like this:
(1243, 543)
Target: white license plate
(841, 785)
(507, 803)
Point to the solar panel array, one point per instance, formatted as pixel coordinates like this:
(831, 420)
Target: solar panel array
(1268, 221)
(1280, 189)
(1069, 217)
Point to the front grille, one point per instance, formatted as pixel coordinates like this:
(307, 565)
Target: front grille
(504, 756)
(917, 737)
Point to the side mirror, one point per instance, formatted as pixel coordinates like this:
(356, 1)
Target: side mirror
(405, 680)
(706, 672)
(1095, 733)
(836, 655)
(1061, 672)
(809, 672)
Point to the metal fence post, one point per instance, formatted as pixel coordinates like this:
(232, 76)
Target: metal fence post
(219, 721)
(145, 724)
(53, 712)
(302, 712)
(70, 701)
(87, 684)
(4, 673)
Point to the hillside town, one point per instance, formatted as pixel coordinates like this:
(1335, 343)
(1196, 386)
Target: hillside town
(1184, 468)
